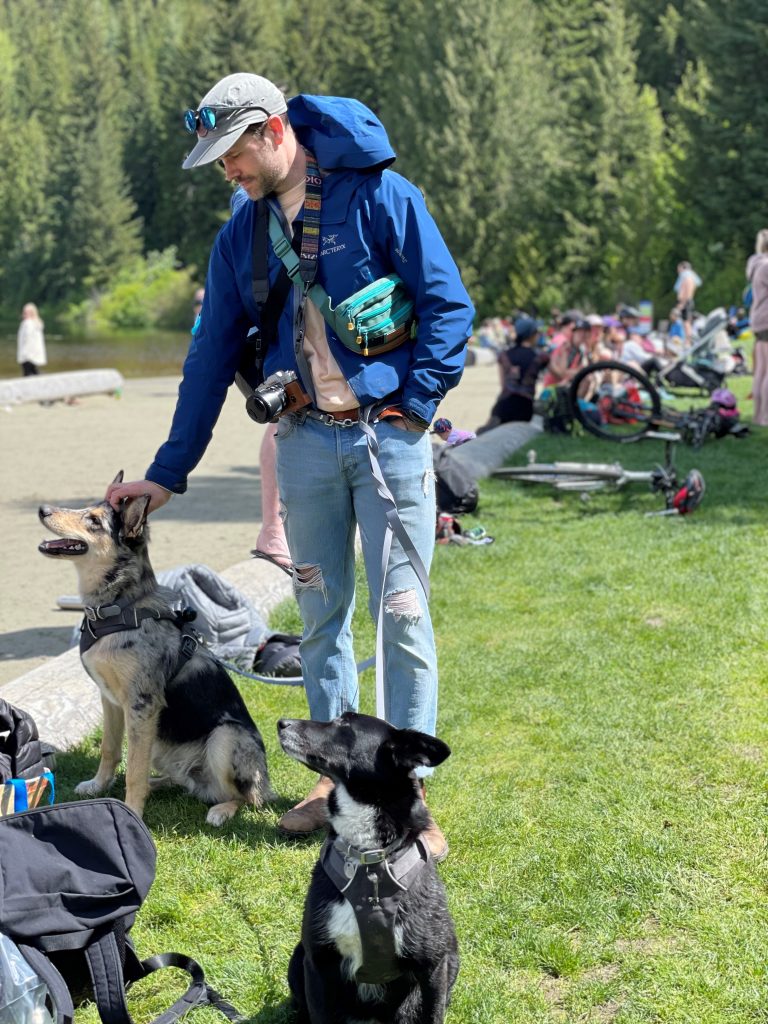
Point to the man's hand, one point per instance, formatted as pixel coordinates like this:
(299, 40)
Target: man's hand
(135, 489)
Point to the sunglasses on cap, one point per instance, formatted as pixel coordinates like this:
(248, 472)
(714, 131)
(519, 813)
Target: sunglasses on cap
(206, 119)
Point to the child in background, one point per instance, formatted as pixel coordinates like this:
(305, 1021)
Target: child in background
(675, 332)
(450, 434)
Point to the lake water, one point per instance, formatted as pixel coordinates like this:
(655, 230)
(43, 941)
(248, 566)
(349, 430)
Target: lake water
(145, 354)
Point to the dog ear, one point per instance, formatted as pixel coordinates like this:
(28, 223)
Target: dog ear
(119, 478)
(412, 749)
(135, 515)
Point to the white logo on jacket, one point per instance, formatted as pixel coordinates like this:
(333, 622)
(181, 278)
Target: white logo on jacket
(330, 246)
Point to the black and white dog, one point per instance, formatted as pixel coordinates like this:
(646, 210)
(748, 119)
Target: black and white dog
(377, 940)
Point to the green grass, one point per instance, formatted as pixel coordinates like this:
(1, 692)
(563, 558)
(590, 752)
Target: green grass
(603, 693)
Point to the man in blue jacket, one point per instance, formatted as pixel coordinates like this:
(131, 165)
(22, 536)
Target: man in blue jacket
(372, 222)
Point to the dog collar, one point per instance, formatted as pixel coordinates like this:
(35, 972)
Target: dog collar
(374, 894)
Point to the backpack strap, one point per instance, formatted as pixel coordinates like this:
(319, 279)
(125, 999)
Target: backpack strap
(63, 1007)
(199, 992)
(112, 973)
(105, 957)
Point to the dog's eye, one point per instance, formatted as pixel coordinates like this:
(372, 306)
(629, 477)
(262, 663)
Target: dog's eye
(95, 523)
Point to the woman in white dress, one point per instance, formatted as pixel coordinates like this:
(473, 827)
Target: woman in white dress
(30, 341)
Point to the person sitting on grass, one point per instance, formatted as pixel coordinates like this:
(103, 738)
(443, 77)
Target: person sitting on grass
(519, 368)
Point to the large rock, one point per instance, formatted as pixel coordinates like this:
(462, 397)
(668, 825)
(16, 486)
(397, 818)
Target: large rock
(481, 456)
(53, 387)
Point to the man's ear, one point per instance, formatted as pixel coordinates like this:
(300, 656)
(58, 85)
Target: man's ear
(276, 126)
(119, 478)
(411, 749)
(135, 515)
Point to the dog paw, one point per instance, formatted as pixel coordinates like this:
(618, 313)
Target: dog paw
(91, 787)
(222, 812)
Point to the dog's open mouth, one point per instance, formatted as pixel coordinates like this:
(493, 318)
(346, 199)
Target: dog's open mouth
(63, 546)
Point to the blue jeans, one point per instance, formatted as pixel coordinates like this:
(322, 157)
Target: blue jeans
(327, 488)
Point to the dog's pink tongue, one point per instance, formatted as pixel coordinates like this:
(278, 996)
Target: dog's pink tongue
(63, 544)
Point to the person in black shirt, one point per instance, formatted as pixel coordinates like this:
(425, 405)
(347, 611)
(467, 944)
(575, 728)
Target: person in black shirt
(519, 368)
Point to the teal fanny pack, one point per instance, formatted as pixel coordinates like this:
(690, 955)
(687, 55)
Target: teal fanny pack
(377, 318)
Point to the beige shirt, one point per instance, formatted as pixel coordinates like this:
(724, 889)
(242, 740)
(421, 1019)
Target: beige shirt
(332, 392)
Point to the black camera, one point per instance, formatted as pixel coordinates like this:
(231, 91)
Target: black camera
(278, 394)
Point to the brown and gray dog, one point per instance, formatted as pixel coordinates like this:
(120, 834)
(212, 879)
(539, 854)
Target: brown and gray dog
(183, 714)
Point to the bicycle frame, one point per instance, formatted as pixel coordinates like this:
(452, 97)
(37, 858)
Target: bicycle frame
(592, 476)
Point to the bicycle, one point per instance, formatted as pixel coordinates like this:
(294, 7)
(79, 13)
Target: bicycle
(679, 499)
(618, 402)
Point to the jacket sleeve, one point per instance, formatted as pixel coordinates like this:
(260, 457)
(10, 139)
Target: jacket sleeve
(419, 255)
(209, 370)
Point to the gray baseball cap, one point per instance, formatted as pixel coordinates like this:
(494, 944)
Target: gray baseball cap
(252, 100)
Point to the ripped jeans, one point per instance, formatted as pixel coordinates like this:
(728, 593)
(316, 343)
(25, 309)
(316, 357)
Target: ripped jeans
(327, 489)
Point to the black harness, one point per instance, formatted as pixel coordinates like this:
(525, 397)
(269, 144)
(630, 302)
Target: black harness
(374, 894)
(104, 619)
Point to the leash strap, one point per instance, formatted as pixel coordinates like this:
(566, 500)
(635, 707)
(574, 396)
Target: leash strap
(395, 528)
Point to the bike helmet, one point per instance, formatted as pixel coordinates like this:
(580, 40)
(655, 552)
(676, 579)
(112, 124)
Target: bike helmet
(688, 498)
(441, 425)
(724, 397)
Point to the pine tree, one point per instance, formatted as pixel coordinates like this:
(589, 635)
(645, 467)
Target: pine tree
(475, 130)
(720, 130)
(612, 192)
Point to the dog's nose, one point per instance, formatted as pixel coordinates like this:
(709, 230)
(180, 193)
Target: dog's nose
(44, 511)
(283, 723)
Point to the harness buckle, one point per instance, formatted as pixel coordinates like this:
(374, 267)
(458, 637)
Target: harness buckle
(106, 611)
(188, 646)
(90, 613)
(372, 856)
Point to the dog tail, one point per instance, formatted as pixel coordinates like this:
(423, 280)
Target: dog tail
(256, 789)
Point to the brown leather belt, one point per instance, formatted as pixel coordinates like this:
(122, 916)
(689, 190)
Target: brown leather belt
(343, 418)
(344, 414)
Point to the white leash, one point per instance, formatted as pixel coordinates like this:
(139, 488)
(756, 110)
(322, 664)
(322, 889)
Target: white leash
(394, 528)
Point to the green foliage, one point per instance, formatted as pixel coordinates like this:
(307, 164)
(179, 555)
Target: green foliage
(571, 151)
(151, 292)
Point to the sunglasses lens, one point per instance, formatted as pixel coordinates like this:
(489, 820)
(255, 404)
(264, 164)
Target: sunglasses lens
(208, 118)
(190, 120)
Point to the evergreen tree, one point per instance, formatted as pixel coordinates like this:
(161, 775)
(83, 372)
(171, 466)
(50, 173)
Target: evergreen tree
(474, 128)
(720, 129)
(612, 191)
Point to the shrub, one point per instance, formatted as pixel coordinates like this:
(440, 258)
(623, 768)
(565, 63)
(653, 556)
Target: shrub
(152, 291)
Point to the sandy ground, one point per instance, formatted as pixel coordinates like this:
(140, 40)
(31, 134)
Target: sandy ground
(66, 455)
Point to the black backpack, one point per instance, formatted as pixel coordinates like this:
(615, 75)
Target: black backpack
(72, 879)
(456, 490)
(21, 756)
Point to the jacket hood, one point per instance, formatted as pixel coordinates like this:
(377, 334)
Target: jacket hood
(342, 133)
(757, 259)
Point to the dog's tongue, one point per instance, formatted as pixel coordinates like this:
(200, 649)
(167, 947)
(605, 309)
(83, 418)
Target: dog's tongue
(63, 545)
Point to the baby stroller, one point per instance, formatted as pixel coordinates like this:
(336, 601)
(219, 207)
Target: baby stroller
(704, 368)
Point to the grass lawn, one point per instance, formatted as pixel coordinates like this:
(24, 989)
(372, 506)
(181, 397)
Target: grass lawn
(603, 693)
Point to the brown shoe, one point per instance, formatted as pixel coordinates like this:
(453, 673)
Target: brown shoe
(311, 813)
(433, 835)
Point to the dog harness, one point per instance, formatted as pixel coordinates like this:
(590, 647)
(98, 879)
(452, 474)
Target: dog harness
(103, 619)
(374, 882)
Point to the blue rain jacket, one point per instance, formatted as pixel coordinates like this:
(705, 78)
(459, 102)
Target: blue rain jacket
(373, 222)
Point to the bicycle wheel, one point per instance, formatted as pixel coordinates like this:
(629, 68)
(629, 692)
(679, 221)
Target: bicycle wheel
(565, 475)
(614, 401)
